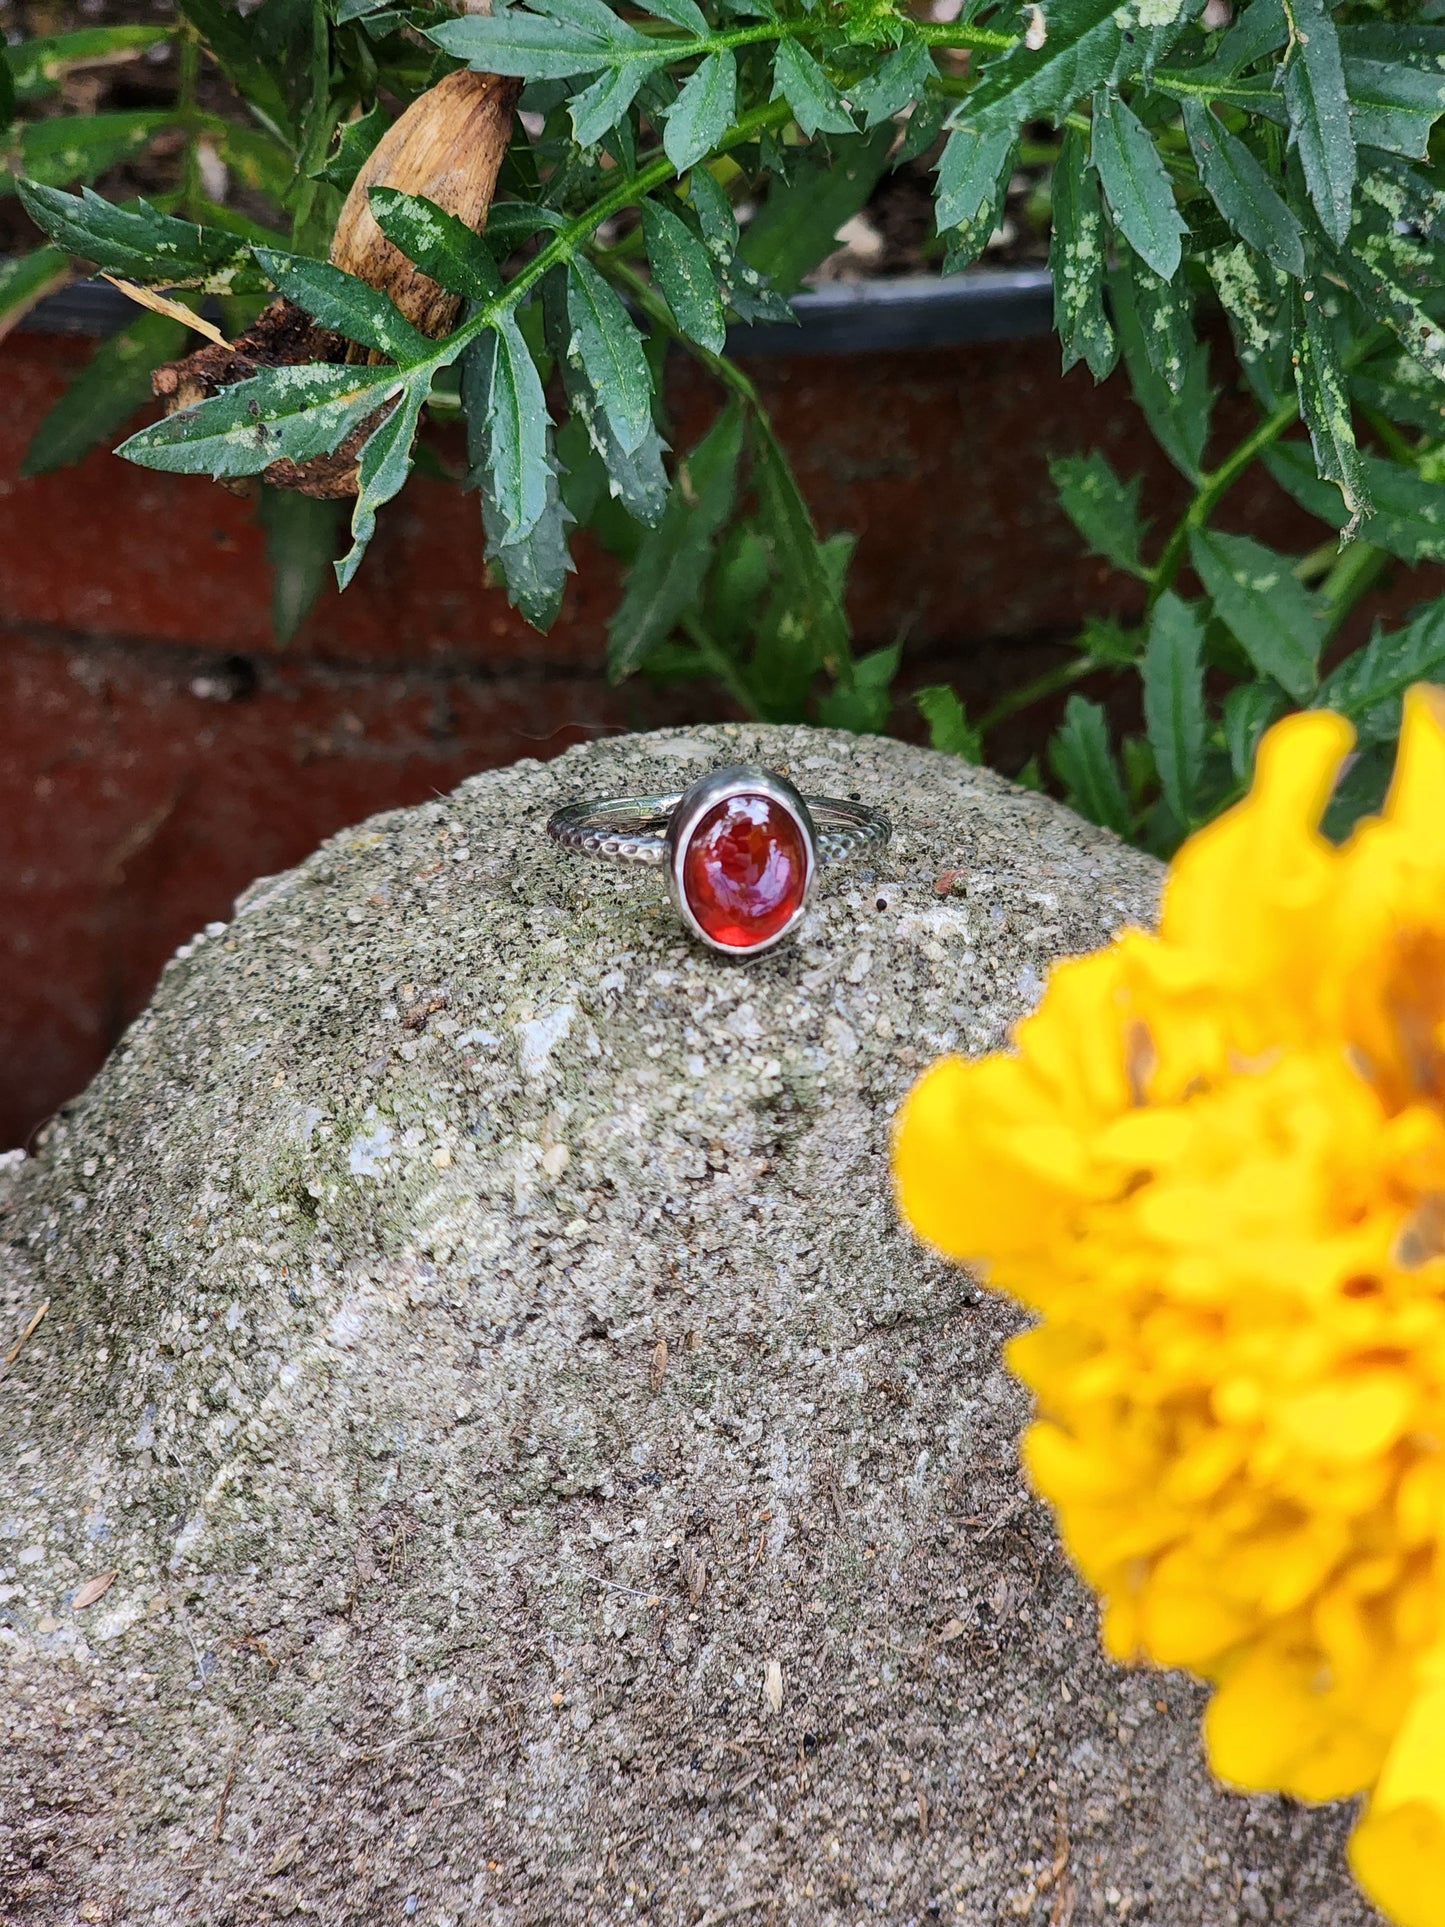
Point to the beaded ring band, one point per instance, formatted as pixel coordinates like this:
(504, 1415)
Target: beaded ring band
(741, 849)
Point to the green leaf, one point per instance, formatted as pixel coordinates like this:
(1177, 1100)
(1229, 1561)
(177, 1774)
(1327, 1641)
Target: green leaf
(949, 729)
(355, 147)
(800, 81)
(1408, 518)
(970, 169)
(682, 270)
(346, 304)
(1076, 261)
(597, 110)
(1173, 675)
(289, 413)
(1249, 709)
(898, 83)
(798, 222)
(108, 390)
(71, 147)
(1166, 320)
(703, 111)
(26, 279)
(1396, 85)
(1082, 41)
(1258, 599)
(682, 13)
(1370, 685)
(1384, 270)
(1255, 296)
(141, 243)
(233, 40)
(1084, 763)
(1325, 399)
(636, 479)
(1319, 113)
(384, 465)
(1258, 29)
(665, 581)
(36, 66)
(807, 586)
(533, 570)
(864, 701)
(516, 433)
(610, 348)
(301, 535)
(1136, 185)
(441, 245)
(1242, 191)
(1180, 422)
(526, 46)
(1103, 509)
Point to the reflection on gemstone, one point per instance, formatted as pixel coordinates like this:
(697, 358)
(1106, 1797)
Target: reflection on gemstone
(745, 871)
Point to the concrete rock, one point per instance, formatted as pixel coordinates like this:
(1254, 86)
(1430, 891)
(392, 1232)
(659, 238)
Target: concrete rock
(491, 1456)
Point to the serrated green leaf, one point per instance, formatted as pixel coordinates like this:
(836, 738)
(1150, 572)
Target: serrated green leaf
(37, 65)
(949, 729)
(798, 222)
(1136, 185)
(1179, 421)
(898, 83)
(637, 480)
(1082, 41)
(1255, 297)
(703, 111)
(384, 464)
(301, 535)
(814, 100)
(597, 110)
(233, 41)
(1408, 518)
(342, 302)
(1173, 676)
(1324, 398)
(72, 148)
(714, 211)
(682, 13)
(1369, 686)
(970, 169)
(533, 570)
(1319, 114)
(1249, 709)
(610, 349)
(1258, 599)
(355, 146)
(864, 702)
(1258, 29)
(103, 396)
(665, 581)
(1385, 271)
(1081, 758)
(26, 279)
(441, 245)
(1076, 261)
(1396, 85)
(1166, 320)
(682, 269)
(142, 244)
(1242, 191)
(806, 586)
(288, 413)
(516, 432)
(525, 45)
(1103, 509)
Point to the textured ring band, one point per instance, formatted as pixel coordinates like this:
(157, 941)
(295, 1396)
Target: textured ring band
(741, 848)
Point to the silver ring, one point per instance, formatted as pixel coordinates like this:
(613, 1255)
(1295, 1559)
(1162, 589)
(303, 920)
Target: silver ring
(741, 848)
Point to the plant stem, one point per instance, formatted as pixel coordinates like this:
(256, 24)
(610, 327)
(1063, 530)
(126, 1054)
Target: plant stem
(1212, 489)
(188, 71)
(1049, 684)
(721, 664)
(1355, 571)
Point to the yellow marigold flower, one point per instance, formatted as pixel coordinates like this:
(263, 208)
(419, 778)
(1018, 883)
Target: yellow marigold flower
(1214, 1168)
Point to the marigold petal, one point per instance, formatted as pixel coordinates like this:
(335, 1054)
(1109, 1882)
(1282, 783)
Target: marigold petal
(1416, 799)
(1350, 1418)
(1398, 1850)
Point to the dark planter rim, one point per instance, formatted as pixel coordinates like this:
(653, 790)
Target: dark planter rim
(845, 317)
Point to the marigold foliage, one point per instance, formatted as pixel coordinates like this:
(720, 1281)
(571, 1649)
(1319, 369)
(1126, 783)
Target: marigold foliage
(1214, 1168)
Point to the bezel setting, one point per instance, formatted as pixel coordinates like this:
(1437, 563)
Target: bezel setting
(721, 786)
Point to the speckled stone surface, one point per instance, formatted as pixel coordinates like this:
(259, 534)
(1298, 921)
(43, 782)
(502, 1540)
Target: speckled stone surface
(542, 1483)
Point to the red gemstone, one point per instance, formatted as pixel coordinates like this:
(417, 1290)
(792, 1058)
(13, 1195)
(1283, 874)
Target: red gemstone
(745, 870)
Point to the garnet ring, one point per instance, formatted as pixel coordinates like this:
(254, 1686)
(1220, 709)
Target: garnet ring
(741, 849)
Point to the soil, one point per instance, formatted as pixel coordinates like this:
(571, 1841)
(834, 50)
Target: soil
(893, 236)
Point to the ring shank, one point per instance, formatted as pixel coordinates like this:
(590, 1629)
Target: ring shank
(633, 829)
